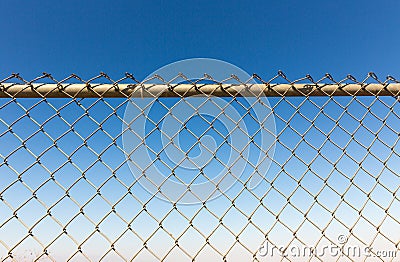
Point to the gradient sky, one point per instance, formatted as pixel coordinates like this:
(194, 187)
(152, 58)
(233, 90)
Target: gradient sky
(87, 37)
(298, 37)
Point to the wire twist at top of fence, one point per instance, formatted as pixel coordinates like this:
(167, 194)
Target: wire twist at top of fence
(102, 85)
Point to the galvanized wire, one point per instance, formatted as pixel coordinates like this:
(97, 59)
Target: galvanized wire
(317, 151)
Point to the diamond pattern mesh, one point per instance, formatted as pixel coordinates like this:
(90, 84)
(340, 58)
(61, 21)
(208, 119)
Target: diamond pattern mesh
(67, 191)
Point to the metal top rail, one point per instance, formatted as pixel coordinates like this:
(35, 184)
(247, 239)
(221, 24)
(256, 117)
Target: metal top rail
(40, 90)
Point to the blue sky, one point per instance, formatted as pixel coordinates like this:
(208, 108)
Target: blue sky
(298, 37)
(87, 37)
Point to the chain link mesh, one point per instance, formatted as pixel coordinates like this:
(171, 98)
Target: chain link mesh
(66, 192)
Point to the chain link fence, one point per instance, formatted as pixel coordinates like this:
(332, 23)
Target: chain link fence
(327, 187)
